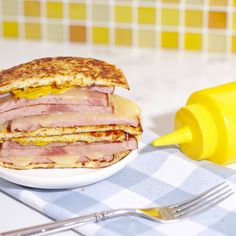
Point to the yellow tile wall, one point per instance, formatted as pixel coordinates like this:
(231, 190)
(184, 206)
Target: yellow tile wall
(54, 9)
(10, 29)
(169, 39)
(193, 18)
(123, 14)
(146, 15)
(77, 11)
(31, 8)
(32, 31)
(191, 25)
(100, 35)
(169, 17)
(193, 41)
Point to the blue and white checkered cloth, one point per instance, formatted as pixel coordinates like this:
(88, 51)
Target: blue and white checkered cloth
(156, 177)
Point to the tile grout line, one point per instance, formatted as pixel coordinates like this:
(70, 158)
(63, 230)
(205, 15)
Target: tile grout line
(65, 21)
(88, 22)
(111, 23)
(135, 24)
(1, 23)
(205, 30)
(43, 20)
(181, 28)
(229, 21)
(158, 25)
(21, 20)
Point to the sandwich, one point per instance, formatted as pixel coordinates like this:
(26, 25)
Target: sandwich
(62, 112)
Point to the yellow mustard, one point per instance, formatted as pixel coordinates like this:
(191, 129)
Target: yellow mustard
(205, 128)
(35, 142)
(33, 93)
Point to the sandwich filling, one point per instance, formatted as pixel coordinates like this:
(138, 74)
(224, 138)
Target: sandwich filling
(125, 112)
(61, 152)
(74, 100)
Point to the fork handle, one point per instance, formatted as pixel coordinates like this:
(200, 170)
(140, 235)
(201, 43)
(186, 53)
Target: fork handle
(58, 226)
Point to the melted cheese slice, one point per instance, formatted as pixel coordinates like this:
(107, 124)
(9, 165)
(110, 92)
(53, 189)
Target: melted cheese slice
(33, 93)
(21, 161)
(64, 160)
(26, 160)
(123, 107)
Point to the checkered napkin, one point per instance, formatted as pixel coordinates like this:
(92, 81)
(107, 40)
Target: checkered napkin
(156, 177)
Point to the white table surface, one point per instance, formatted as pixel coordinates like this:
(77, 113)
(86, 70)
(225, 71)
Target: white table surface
(160, 83)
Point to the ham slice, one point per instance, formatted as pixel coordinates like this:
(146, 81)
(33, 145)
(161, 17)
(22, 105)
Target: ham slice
(92, 150)
(125, 113)
(50, 108)
(73, 96)
(69, 119)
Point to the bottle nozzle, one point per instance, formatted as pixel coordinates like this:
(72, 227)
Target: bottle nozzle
(182, 135)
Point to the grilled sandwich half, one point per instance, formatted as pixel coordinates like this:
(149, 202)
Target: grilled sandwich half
(62, 113)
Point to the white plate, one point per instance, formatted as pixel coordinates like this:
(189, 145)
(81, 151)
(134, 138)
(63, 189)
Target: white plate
(63, 178)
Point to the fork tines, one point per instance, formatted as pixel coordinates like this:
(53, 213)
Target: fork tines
(203, 201)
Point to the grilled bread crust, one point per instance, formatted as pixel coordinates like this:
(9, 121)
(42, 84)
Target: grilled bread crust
(61, 72)
(45, 132)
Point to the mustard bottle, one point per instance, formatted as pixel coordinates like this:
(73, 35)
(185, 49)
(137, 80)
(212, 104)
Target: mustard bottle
(205, 128)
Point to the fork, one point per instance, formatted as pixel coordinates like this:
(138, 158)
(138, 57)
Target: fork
(170, 213)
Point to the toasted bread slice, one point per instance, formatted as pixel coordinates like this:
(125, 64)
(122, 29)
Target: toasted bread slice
(61, 72)
(45, 132)
(89, 137)
(89, 164)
